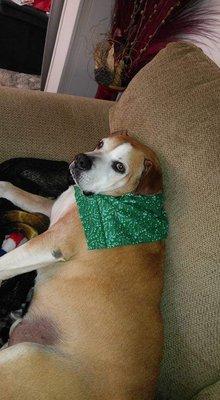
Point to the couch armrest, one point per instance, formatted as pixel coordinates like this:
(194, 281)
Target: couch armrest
(45, 125)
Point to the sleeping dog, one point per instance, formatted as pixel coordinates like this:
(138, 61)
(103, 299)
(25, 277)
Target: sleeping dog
(94, 327)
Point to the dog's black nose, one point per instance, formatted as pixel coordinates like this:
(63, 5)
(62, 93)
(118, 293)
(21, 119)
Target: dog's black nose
(83, 162)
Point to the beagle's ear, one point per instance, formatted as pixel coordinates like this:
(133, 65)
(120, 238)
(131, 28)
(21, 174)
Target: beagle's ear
(151, 179)
(122, 132)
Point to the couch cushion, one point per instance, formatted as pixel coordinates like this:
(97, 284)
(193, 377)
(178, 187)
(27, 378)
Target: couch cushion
(209, 392)
(173, 105)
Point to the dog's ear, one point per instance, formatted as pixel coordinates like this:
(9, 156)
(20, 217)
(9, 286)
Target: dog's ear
(122, 132)
(151, 179)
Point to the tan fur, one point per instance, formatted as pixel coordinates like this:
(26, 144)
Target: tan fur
(105, 307)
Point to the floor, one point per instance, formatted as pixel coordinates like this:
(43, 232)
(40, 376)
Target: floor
(19, 80)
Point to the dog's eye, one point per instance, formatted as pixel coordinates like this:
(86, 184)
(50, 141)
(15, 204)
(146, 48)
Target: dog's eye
(100, 144)
(118, 167)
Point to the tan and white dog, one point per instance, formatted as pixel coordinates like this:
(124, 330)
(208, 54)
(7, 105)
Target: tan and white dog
(94, 327)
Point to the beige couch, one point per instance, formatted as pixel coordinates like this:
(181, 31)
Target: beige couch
(173, 105)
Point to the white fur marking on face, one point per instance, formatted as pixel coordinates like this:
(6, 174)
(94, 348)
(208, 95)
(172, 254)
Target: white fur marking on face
(122, 151)
(102, 177)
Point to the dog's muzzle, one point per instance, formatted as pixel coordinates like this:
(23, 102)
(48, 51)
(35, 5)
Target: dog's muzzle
(82, 162)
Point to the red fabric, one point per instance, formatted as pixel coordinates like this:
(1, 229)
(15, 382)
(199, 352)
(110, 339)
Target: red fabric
(43, 5)
(17, 237)
(106, 93)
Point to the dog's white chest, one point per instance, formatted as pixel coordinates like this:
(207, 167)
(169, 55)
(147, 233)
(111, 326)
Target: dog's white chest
(62, 205)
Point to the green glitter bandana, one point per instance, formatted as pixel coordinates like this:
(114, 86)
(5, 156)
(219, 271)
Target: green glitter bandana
(120, 221)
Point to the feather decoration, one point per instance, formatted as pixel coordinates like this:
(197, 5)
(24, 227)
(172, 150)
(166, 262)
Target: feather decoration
(141, 28)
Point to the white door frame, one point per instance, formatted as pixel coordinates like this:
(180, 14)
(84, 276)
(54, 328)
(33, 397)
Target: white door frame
(68, 23)
(83, 23)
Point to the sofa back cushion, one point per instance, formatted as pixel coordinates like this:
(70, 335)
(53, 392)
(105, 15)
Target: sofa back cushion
(173, 105)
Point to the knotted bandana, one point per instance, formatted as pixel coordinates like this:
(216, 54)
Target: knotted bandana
(110, 221)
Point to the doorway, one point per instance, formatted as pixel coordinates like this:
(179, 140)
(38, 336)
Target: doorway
(23, 30)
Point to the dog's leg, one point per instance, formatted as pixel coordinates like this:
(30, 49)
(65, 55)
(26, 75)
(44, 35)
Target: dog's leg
(46, 249)
(32, 371)
(26, 201)
(28, 257)
(39, 252)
